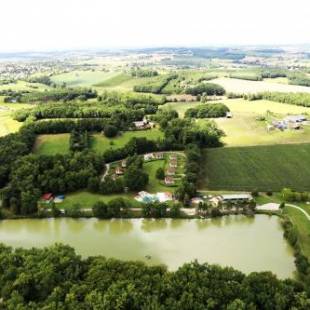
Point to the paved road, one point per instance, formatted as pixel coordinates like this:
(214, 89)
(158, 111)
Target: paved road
(300, 209)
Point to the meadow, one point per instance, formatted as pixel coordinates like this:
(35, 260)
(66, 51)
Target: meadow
(59, 143)
(7, 123)
(262, 168)
(86, 199)
(82, 78)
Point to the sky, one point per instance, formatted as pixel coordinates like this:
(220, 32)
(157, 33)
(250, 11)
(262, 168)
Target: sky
(39, 25)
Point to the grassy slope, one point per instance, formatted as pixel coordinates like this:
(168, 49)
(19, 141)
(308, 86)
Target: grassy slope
(303, 227)
(59, 143)
(7, 124)
(82, 78)
(261, 167)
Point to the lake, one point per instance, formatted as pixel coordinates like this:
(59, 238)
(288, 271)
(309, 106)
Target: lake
(245, 243)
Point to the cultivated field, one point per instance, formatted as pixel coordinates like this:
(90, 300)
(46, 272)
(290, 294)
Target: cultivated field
(261, 168)
(243, 86)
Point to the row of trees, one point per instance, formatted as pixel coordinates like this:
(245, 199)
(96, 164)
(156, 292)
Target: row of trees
(57, 278)
(56, 94)
(156, 85)
(209, 89)
(210, 110)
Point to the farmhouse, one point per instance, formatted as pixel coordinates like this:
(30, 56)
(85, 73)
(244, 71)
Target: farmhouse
(47, 197)
(296, 118)
(141, 125)
(169, 180)
(173, 157)
(149, 156)
(124, 163)
(195, 201)
(236, 197)
(170, 171)
(159, 155)
(119, 171)
(173, 163)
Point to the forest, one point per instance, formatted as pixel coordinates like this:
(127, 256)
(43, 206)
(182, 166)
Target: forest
(58, 278)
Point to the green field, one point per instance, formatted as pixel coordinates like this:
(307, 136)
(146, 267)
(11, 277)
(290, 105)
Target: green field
(59, 143)
(303, 227)
(52, 144)
(7, 123)
(100, 143)
(86, 199)
(115, 80)
(260, 168)
(82, 78)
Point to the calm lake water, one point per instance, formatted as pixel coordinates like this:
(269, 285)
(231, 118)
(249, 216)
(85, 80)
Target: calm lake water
(248, 244)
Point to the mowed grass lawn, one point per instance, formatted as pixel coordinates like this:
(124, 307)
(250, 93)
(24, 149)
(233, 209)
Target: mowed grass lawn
(59, 143)
(82, 78)
(303, 227)
(260, 168)
(100, 143)
(86, 199)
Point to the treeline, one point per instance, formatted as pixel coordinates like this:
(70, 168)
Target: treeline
(57, 94)
(300, 99)
(188, 187)
(76, 110)
(156, 85)
(43, 79)
(210, 110)
(57, 278)
(247, 77)
(299, 79)
(33, 175)
(138, 72)
(209, 89)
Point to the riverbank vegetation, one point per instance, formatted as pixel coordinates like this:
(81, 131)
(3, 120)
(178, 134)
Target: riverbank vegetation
(75, 283)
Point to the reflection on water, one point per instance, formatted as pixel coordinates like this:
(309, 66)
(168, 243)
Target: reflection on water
(246, 243)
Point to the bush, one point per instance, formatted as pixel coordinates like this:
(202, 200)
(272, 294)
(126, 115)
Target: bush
(160, 173)
(110, 131)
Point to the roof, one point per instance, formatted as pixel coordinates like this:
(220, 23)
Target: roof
(236, 196)
(47, 196)
(296, 118)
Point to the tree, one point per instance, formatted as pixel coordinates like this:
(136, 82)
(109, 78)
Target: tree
(110, 131)
(135, 178)
(160, 173)
(100, 209)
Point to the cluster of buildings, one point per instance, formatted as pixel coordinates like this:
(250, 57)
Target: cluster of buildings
(171, 169)
(221, 200)
(144, 124)
(289, 122)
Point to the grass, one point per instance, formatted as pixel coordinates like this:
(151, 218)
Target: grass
(59, 143)
(52, 144)
(7, 123)
(82, 78)
(303, 228)
(22, 85)
(87, 199)
(100, 143)
(243, 86)
(115, 80)
(180, 107)
(260, 168)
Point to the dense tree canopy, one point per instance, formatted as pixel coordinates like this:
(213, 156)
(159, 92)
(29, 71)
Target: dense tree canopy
(57, 278)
